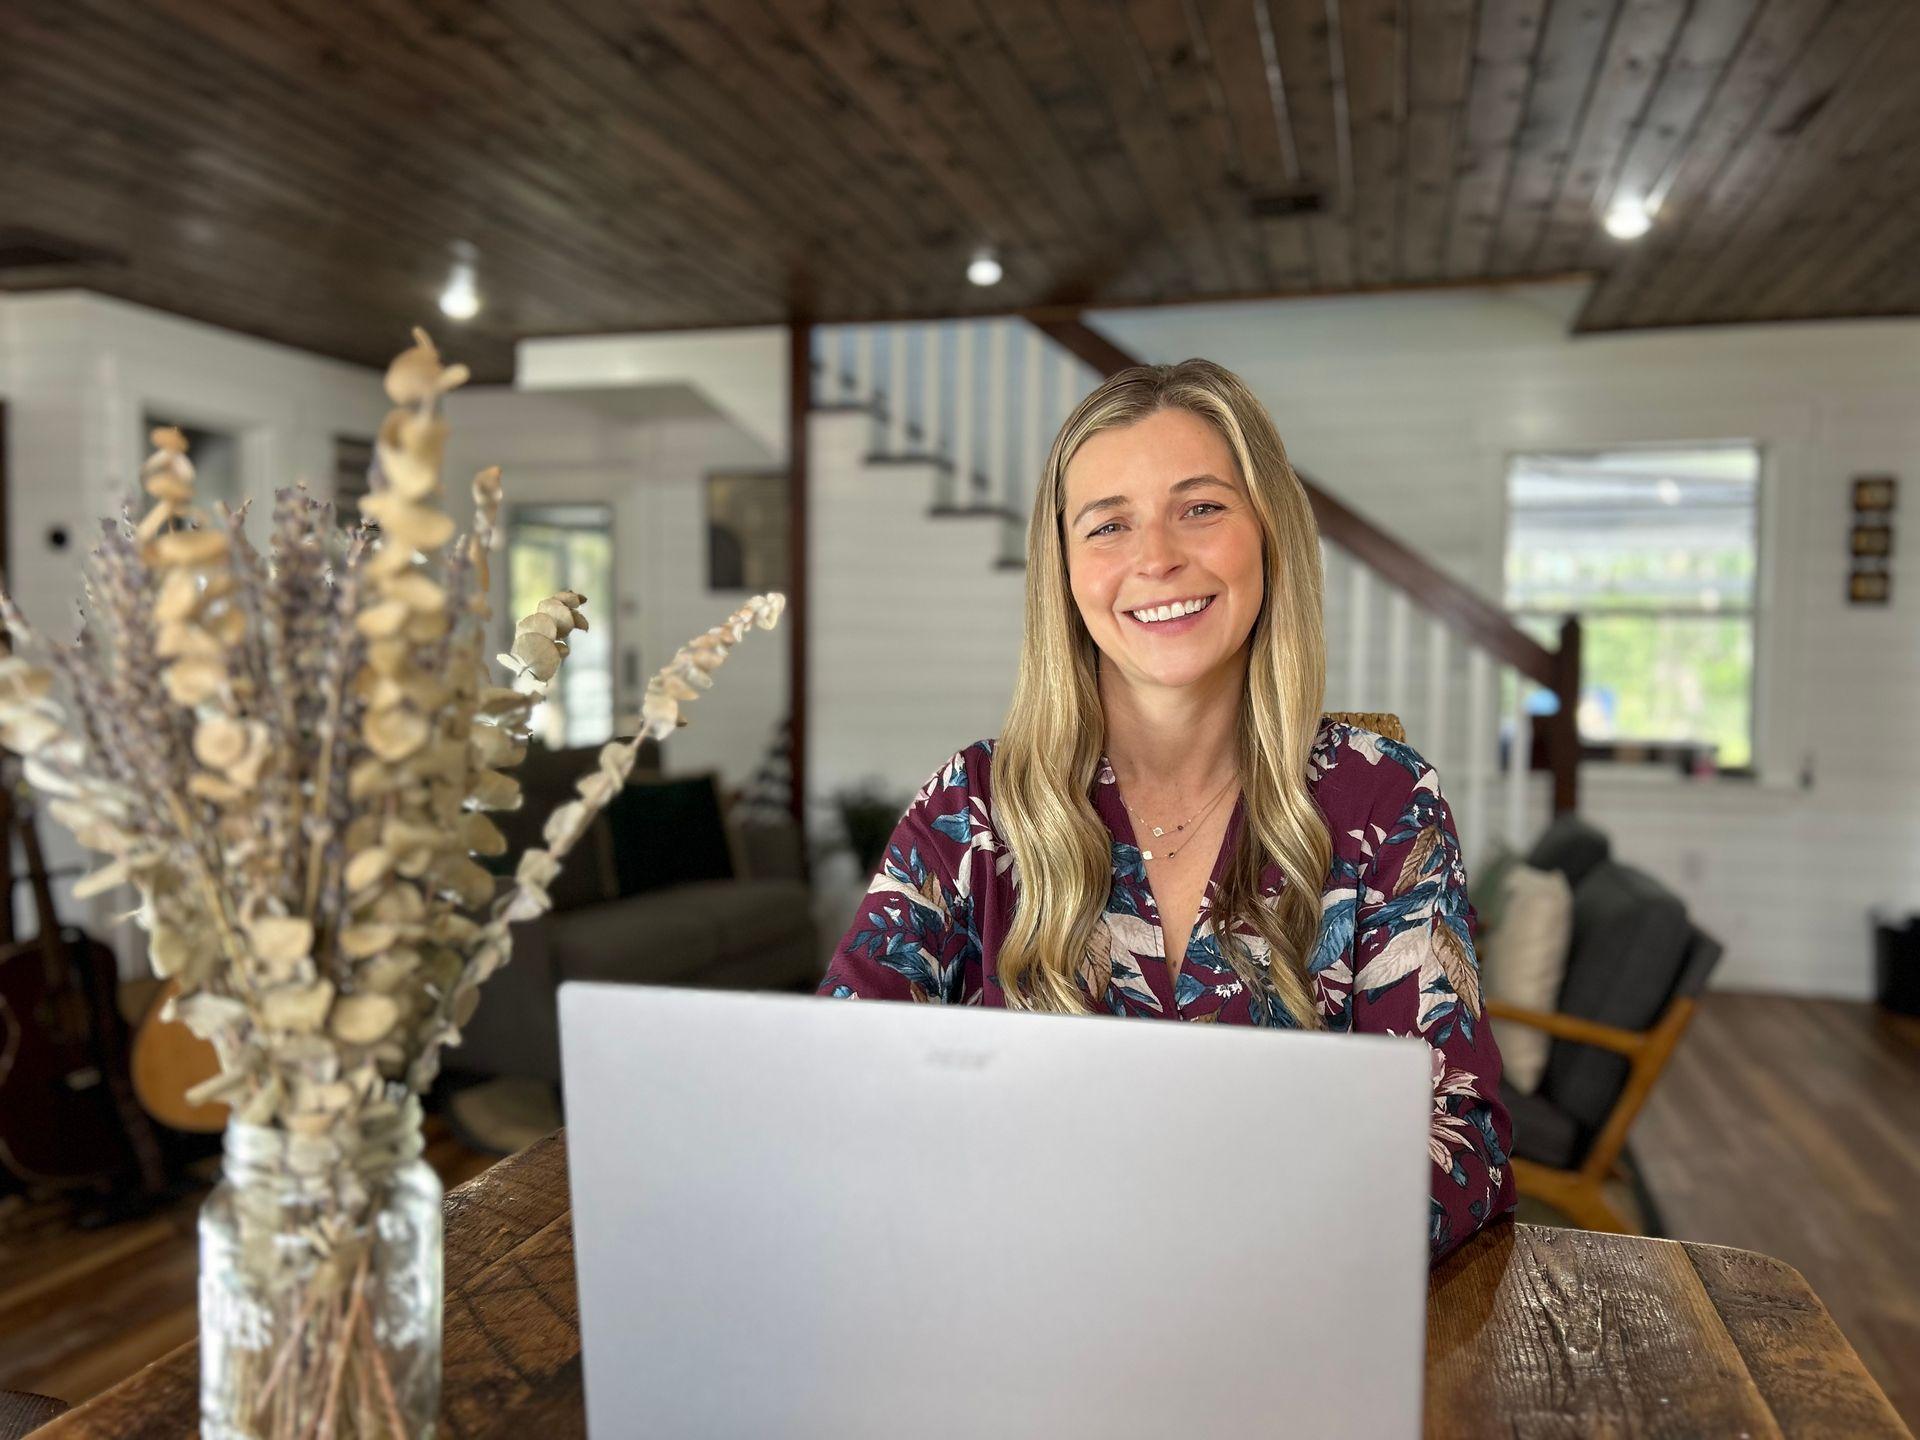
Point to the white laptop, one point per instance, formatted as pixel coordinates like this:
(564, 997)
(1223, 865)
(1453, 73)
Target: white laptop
(806, 1217)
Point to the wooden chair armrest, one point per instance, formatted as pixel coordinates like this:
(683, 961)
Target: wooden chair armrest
(1571, 1027)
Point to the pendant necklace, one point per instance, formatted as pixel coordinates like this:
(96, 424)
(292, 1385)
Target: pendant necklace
(1158, 831)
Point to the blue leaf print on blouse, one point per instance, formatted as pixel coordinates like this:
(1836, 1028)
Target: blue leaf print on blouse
(910, 959)
(1481, 1118)
(1187, 989)
(1402, 754)
(1205, 955)
(957, 827)
(1409, 907)
(1127, 863)
(1265, 1007)
(1336, 936)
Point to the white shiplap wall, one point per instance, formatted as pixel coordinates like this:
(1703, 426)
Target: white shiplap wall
(915, 634)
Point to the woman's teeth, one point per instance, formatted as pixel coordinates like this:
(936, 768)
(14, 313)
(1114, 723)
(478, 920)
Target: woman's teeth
(1171, 612)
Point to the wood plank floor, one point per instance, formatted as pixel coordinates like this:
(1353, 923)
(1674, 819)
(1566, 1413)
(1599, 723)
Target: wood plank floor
(1782, 1125)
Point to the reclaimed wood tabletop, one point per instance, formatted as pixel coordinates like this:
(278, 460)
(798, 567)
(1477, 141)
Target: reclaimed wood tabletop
(1530, 1331)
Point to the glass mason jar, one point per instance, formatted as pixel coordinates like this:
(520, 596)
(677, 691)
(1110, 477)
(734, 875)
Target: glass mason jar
(320, 1284)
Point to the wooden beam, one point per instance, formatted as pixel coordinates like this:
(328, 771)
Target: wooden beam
(1082, 340)
(799, 404)
(1565, 733)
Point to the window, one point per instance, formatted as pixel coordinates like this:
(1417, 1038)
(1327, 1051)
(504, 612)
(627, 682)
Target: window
(216, 461)
(551, 548)
(1655, 550)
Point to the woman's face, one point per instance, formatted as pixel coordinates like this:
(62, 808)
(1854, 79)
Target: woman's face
(1183, 529)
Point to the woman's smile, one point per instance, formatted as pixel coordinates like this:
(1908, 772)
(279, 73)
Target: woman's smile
(1173, 623)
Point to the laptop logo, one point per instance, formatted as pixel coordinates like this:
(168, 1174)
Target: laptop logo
(960, 1059)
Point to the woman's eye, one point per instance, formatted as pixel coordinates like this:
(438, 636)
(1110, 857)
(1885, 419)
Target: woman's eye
(1198, 505)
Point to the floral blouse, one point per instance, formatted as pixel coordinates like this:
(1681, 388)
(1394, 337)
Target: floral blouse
(1395, 952)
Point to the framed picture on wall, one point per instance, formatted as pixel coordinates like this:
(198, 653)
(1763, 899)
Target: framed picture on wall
(747, 530)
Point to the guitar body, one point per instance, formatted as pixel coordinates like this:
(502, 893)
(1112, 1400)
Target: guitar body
(68, 1115)
(59, 1123)
(168, 1060)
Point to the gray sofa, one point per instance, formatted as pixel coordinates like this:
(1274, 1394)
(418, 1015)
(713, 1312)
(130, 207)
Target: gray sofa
(665, 889)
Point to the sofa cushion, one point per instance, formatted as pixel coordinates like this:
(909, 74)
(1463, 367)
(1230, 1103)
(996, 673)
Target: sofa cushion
(1630, 937)
(668, 832)
(1524, 962)
(748, 914)
(655, 943)
(1571, 846)
(1542, 1132)
(677, 936)
(1487, 887)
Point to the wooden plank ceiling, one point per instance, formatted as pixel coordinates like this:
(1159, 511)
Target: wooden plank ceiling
(305, 169)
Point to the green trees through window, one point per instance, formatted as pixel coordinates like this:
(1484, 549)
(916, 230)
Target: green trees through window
(1656, 550)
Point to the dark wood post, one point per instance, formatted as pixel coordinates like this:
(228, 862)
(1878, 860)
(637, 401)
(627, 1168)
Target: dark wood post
(799, 403)
(1565, 748)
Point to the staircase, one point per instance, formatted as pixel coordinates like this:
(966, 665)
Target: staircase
(932, 435)
(978, 400)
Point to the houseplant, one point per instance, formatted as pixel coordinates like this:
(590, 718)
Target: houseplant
(291, 758)
(867, 813)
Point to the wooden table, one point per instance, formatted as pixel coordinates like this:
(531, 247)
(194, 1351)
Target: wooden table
(1530, 1331)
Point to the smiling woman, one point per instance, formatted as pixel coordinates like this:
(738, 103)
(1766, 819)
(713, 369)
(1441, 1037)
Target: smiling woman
(1166, 774)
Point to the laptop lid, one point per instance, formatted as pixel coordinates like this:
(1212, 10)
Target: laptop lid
(806, 1217)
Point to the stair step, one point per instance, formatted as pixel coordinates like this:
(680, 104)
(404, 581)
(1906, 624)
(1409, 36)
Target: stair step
(938, 461)
(1010, 562)
(947, 512)
(843, 407)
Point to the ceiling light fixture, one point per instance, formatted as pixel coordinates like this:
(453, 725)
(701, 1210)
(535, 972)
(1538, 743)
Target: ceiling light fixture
(1629, 219)
(461, 299)
(983, 269)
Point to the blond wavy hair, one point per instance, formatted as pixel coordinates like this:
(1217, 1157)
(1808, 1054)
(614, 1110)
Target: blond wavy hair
(1055, 731)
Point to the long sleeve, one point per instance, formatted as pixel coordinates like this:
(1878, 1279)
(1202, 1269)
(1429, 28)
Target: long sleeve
(914, 932)
(1415, 974)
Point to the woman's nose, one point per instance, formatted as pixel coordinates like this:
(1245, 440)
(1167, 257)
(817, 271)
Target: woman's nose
(1156, 549)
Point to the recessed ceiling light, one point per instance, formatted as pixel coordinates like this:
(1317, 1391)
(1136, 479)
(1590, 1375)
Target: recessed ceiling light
(1629, 219)
(983, 269)
(461, 299)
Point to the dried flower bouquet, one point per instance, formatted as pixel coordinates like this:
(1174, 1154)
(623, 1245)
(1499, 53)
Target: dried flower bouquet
(290, 758)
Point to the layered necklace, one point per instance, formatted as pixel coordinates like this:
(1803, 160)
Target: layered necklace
(1158, 831)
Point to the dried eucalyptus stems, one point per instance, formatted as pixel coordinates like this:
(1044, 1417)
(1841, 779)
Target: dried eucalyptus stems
(291, 758)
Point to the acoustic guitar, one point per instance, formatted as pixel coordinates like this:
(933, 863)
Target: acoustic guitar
(169, 1060)
(68, 1116)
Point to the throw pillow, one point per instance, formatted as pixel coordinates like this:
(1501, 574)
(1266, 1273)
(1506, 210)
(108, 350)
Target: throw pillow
(1486, 888)
(1525, 962)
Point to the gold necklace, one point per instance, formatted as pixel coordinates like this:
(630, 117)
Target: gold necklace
(1158, 831)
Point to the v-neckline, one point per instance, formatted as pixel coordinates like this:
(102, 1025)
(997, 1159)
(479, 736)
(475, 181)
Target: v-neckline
(1118, 815)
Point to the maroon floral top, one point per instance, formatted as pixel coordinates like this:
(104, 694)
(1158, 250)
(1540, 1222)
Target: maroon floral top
(1394, 956)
